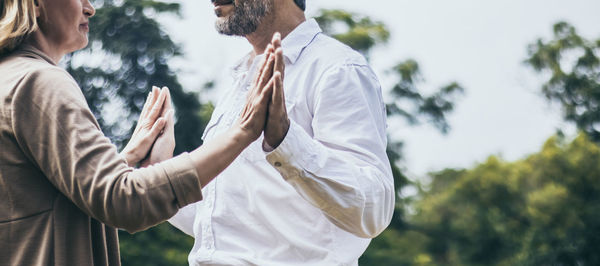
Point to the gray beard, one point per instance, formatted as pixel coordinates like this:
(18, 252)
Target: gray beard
(245, 19)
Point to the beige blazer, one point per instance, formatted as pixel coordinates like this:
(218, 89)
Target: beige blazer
(63, 186)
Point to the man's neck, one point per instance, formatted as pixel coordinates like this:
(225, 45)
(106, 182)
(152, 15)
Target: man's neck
(282, 22)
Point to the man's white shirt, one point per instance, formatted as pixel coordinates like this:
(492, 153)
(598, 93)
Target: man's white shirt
(319, 197)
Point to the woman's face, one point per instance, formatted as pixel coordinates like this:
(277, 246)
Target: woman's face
(64, 23)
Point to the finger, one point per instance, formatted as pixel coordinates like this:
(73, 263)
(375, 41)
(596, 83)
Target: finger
(143, 114)
(267, 73)
(170, 126)
(261, 74)
(278, 98)
(263, 99)
(155, 93)
(262, 65)
(156, 129)
(276, 40)
(146, 104)
(158, 106)
(279, 62)
(168, 105)
(267, 93)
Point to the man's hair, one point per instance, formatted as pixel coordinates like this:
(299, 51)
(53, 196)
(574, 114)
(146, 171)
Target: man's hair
(301, 4)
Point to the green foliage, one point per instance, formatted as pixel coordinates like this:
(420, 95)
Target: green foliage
(356, 31)
(363, 34)
(136, 53)
(538, 211)
(572, 66)
(542, 210)
(432, 108)
(162, 245)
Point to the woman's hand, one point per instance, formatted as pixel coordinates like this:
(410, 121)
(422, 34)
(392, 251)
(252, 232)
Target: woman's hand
(149, 126)
(215, 155)
(253, 117)
(165, 143)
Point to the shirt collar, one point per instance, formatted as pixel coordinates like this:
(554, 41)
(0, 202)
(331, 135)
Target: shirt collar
(300, 38)
(32, 52)
(292, 45)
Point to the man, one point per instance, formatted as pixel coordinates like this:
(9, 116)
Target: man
(318, 186)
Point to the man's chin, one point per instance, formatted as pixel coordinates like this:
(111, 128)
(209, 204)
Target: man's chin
(222, 25)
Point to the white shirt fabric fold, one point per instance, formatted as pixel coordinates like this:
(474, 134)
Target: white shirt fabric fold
(325, 191)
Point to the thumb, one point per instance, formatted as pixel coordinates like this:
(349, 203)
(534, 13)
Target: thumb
(170, 122)
(278, 93)
(157, 128)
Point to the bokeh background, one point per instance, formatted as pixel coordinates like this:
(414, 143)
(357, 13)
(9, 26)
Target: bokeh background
(493, 113)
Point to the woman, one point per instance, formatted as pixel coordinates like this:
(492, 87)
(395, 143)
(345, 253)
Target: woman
(63, 186)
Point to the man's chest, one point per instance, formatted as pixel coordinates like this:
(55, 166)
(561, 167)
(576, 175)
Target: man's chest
(299, 100)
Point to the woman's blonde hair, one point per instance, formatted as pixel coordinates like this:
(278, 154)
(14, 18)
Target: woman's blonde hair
(17, 21)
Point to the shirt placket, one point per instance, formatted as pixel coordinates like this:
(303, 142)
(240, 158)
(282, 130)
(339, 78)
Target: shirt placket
(234, 106)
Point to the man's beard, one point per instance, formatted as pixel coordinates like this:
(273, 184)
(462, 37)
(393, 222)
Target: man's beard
(246, 17)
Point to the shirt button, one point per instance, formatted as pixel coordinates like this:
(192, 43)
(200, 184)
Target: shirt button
(277, 164)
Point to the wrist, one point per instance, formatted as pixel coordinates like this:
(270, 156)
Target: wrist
(243, 137)
(129, 158)
(273, 142)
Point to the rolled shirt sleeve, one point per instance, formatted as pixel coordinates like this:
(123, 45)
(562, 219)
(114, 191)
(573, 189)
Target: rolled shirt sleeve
(343, 168)
(57, 131)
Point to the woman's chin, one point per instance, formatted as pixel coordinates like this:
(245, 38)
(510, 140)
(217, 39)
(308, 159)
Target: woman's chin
(82, 44)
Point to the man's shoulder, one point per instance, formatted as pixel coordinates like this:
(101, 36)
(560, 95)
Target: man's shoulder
(331, 52)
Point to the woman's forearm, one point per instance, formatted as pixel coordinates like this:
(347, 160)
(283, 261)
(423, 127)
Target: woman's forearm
(214, 156)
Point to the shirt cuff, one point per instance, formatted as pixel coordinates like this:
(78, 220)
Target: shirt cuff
(297, 151)
(183, 177)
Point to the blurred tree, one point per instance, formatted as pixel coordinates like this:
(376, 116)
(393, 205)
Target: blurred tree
(130, 54)
(135, 52)
(358, 32)
(572, 67)
(538, 211)
(363, 34)
(163, 245)
(431, 108)
(407, 101)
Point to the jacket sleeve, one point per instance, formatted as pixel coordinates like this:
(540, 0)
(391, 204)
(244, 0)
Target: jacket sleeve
(57, 131)
(342, 166)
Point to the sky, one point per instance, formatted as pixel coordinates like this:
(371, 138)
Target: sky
(480, 44)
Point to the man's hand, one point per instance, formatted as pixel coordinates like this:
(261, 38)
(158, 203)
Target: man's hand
(149, 126)
(165, 143)
(252, 120)
(277, 124)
